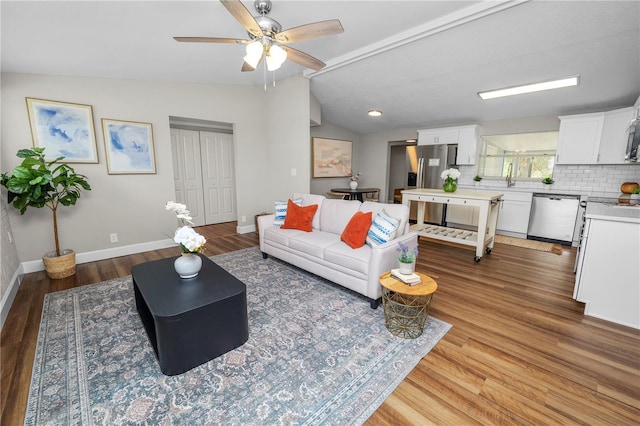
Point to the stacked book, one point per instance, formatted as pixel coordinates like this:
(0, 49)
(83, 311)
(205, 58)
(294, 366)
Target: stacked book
(411, 279)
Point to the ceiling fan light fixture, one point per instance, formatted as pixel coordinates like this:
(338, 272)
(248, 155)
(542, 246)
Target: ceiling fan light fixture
(275, 57)
(530, 88)
(254, 52)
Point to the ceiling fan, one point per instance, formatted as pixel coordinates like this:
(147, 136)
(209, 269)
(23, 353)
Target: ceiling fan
(266, 38)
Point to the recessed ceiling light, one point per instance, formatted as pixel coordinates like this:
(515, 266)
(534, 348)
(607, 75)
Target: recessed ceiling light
(374, 113)
(529, 88)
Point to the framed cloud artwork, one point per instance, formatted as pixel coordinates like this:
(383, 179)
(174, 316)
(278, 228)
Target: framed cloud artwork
(331, 157)
(63, 129)
(129, 147)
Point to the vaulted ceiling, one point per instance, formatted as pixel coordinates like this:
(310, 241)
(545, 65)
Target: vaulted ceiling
(420, 62)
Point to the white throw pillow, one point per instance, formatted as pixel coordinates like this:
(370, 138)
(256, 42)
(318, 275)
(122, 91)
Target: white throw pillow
(383, 229)
(281, 210)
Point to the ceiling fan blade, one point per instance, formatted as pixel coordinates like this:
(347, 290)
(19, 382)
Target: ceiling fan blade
(210, 40)
(310, 31)
(242, 15)
(303, 59)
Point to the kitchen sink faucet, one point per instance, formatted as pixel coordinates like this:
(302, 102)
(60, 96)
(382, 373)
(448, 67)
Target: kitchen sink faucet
(510, 181)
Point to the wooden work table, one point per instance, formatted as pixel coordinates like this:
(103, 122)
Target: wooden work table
(488, 208)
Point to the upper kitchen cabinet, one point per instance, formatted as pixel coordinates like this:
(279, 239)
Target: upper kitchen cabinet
(468, 140)
(579, 138)
(442, 136)
(466, 137)
(613, 143)
(598, 138)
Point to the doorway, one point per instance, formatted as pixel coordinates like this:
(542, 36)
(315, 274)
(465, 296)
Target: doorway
(204, 174)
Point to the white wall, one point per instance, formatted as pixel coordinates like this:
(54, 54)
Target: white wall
(133, 205)
(288, 141)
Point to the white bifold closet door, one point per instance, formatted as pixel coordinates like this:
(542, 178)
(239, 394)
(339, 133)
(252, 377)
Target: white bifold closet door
(204, 176)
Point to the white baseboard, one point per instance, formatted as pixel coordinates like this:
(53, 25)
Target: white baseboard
(245, 229)
(92, 256)
(10, 295)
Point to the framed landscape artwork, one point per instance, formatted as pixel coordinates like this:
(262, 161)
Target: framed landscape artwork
(63, 129)
(129, 147)
(331, 157)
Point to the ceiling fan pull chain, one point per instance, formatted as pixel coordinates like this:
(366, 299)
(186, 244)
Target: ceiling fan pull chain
(264, 73)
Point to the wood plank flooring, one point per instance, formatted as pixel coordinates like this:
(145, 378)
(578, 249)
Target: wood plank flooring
(520, 350)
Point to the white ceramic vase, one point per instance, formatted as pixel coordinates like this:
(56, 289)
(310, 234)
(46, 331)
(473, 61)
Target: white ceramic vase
(353, 184)
(188, 265)
(407, 268)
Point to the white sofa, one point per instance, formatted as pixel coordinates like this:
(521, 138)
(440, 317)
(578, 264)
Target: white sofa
(321, 251)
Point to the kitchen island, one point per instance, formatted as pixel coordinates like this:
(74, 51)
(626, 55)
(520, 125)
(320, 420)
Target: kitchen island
(488, 208)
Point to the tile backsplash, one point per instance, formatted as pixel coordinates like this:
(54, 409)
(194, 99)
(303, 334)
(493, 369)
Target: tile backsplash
(594, 180)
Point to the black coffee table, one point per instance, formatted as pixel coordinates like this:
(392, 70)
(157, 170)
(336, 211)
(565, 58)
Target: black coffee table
(190, 321)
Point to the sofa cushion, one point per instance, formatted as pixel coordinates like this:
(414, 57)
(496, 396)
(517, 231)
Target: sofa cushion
(313, 243)
(383, 229)
(335, 214)
(281, 210)
(353, 259)
(299, 217)
(355, 233)
(280, 236)
(397, 211)
(309, 199)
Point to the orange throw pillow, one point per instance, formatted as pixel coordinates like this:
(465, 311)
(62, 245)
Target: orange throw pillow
(299, 217)
(355, 233)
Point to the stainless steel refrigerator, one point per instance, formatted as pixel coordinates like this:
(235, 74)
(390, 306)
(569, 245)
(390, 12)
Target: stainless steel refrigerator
(426, 163)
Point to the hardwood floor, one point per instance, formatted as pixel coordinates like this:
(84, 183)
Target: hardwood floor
(520, 350)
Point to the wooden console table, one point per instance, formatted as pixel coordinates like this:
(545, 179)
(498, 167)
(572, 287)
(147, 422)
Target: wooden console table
(488, 208)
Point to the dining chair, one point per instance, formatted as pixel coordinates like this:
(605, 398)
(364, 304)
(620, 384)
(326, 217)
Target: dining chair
(373, 196)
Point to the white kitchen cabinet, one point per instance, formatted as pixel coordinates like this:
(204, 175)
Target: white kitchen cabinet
(466, 137)
(442, 136)
(597, 138)
(579, 138)
(468, 141)
(514, 213)
(613, 143)
(608, 276)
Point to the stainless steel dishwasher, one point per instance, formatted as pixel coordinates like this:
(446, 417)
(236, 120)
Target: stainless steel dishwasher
(553, 217)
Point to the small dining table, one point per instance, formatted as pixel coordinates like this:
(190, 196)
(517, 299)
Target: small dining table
(354, 194)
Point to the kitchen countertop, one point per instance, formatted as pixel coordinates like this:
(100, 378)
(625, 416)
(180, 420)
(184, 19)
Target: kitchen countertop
(609, 208)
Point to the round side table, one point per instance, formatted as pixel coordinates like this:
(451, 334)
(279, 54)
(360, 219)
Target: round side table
(406, 306)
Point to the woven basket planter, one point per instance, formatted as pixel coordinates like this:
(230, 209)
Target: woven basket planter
(60, 266)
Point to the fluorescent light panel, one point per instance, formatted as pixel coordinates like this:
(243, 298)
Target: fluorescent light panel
(529, 88)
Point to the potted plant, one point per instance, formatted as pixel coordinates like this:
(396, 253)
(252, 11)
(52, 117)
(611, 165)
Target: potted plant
(450, 177)
(407, 258)
(477, 180)
(548, 181)
(38, 183)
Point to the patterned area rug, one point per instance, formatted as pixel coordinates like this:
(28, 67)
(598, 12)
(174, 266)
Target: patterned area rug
(530, 244)
(316, 354)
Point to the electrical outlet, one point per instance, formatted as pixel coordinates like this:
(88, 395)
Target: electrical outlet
(244, 218)
(113, 237)
(294, 172)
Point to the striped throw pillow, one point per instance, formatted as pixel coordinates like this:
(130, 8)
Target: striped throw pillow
(383, 229)
(281, 210)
